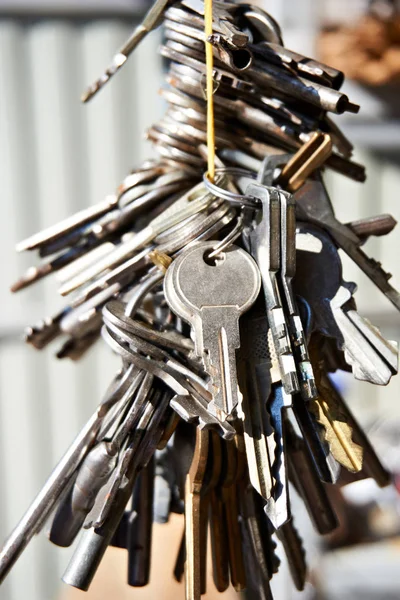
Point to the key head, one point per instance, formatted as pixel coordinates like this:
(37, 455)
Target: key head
(211, 295)
(318, 275)
(194, 283)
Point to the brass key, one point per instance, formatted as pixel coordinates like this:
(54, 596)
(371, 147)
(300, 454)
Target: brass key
(193, 487)
(231, 509)
(218, 532)
(338, 429)
(309, 157)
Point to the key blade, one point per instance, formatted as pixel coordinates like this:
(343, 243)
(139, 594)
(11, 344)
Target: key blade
(150, 21)
(277, 507)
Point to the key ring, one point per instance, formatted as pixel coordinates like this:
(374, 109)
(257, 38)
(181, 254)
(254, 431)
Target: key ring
(233, 197)
(228, 239)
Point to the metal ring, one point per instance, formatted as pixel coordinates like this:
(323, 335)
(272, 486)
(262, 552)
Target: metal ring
(228, 239)
(233, 197)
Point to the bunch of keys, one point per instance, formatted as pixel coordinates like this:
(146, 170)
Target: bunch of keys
(226, 303)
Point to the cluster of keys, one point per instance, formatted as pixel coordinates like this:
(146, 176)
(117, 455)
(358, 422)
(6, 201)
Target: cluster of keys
(226, 302)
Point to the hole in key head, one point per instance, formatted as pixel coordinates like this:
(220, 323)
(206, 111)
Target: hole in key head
(241, 59)
(213, 261)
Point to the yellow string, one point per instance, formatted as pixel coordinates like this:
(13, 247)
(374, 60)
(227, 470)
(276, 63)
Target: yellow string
(209, 83)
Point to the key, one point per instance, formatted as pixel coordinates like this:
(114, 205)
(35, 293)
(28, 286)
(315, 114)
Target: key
(338, 432)
(166, 498)
(95, 471)
(352, 448)
(307, 159)
(377, 226)
(136, 445)
(228, 491)
(299, 88)
(94, 542)
(189, 402)
(307, 67)
(327, 467)
(295, 553)
(264, 245)
(251, 528)
(212, 298)
(193, 487)
(140, 531)
(68, 225)
(218, 531)
(313, 153)
(371, 357)
(304, 476)
(150, 22)
(45, 501)
(314, 205)
(287, 272)
(257, 588)
(254, 364)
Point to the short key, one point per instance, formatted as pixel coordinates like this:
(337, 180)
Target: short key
(212, 297)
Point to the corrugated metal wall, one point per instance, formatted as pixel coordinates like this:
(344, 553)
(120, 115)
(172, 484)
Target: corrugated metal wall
(58, 156)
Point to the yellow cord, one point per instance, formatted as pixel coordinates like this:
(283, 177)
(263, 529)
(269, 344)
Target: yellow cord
(210, 90)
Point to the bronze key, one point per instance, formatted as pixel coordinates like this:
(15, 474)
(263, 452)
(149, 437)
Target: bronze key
(218, 530)
(308, 157)
(193, 487)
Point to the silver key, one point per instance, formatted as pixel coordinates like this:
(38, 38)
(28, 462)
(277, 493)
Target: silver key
(212, 298)
(264, 245)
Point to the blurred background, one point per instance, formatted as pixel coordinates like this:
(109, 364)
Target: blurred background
(58, 156)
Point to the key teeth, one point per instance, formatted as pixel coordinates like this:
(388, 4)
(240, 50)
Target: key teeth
(330, 439)
(363, 374)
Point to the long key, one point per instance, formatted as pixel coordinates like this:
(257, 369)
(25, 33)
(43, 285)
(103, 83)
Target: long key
(264, 243)
(287, 272)
(94, 542)
(212, 298)
(304, 476)
(95, 471)
(314, 204)
(190, 203)
(193, 487)
(46, 499)
(140, 531)
(218, 530)
(254, 364)
(150, 22)
(68, 225)
(288, 252)
(233, 472)
(251, 524)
